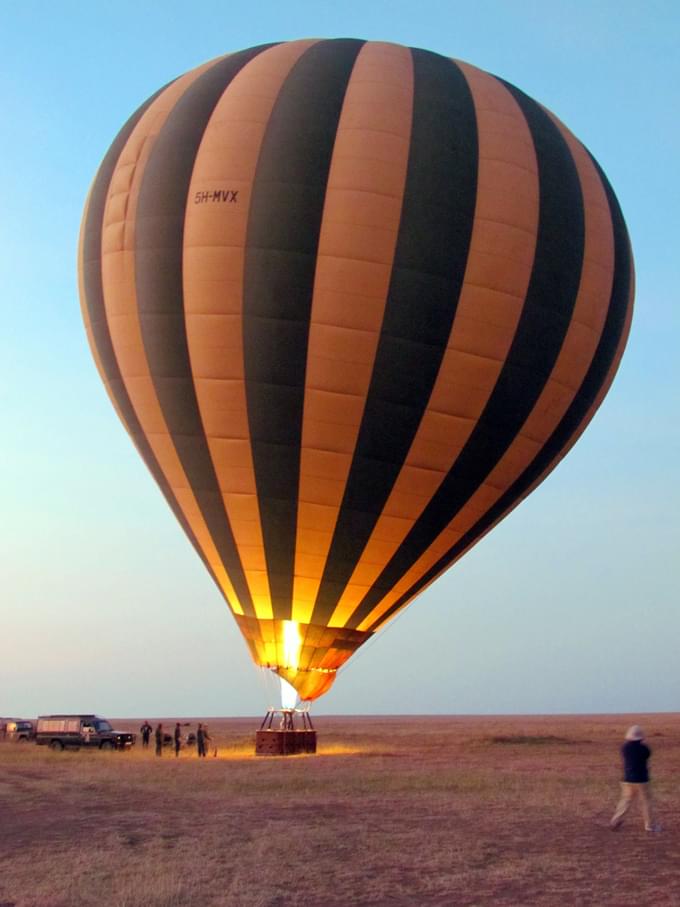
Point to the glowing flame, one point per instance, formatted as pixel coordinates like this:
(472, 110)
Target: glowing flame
(291, 644)
(288, 695)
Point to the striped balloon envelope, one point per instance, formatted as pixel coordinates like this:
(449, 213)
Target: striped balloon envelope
(353, 301)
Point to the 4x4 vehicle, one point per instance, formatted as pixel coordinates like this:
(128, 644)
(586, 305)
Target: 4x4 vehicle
(61, 731)
(19, 731)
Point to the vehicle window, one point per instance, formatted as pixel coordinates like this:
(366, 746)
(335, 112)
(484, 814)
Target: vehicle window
(102, 726)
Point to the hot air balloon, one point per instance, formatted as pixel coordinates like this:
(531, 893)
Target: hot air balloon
(353, 302)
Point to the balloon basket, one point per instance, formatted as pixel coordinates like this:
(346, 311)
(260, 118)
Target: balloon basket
(285, 732)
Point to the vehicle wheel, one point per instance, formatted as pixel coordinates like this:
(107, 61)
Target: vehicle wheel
(57, 746)
(106, 745)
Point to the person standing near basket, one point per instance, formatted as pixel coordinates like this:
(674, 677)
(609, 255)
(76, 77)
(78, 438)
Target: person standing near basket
(635, 784)
(145, 730)
(200, 740)
(159, 740)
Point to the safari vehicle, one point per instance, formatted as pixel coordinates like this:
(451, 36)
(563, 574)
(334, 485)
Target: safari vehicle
(73, 731)
(19, 731)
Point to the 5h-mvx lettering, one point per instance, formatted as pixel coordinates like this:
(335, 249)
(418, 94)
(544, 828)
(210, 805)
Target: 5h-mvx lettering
(216, 195)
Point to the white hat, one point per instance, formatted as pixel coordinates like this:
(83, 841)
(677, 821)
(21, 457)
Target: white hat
(635, 732)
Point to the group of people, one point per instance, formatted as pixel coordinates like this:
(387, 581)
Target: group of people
(201, 738)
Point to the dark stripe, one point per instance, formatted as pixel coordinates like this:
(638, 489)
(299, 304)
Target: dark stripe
(288, 197)
(427, 275)
(541, 330)
(160, 299)
(93, 291)
(560, 439)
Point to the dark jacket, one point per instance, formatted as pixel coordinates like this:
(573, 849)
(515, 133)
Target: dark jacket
(635, 755)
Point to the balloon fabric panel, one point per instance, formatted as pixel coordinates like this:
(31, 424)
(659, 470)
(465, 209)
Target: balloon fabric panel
(97, 327)
(213, 262)
(591, 393)
(429, 263)
(540, 332)
(356, 250)
(496, 278)
(283, 233)
(119, 267)
(352, 301)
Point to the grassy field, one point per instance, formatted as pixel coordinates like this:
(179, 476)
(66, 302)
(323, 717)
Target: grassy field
(391, 811)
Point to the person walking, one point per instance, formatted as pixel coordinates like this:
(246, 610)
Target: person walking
(145, 731)
(635, 785)
(159, 740)
(200, 740)
(178, 739)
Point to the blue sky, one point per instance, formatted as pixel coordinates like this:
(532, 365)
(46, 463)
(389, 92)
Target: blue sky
(570, 605)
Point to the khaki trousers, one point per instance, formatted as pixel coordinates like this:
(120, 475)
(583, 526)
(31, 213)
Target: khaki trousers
(630, 792)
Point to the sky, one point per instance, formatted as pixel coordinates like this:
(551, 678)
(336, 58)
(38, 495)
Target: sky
(569, 605)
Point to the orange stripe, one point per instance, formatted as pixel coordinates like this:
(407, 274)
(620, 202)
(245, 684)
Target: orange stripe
(495, 285)
(213, 263)
(570, 369)
(356, 249)
(85, 312)
(120, 299)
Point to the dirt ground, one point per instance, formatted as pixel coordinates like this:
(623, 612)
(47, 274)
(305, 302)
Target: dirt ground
(457, 811)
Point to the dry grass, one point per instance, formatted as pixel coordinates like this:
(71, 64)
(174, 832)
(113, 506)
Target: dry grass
(393, 811)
